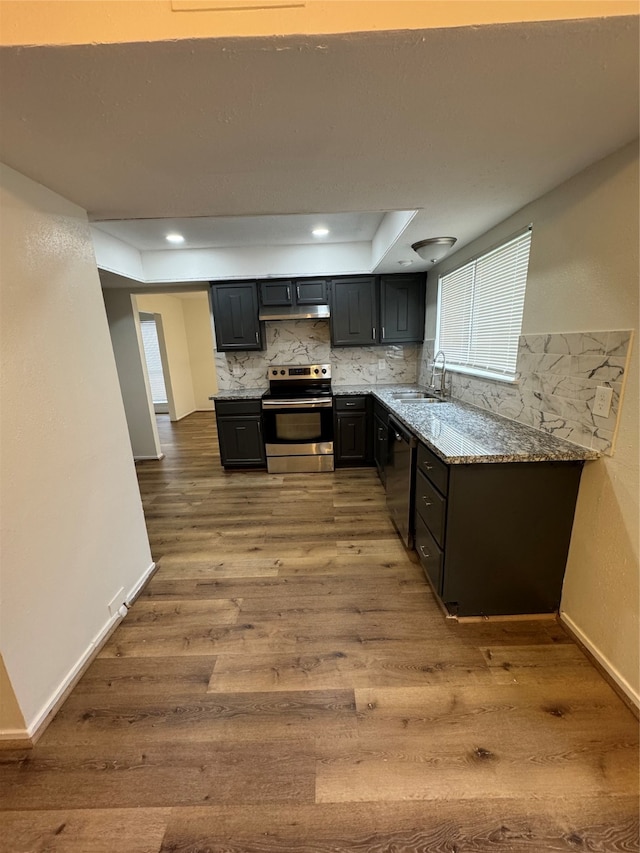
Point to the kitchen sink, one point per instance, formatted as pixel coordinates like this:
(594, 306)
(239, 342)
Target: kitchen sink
(415, 397)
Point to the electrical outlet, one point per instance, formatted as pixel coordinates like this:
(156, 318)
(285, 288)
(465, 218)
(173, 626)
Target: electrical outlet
(602, 402)
(382, 364)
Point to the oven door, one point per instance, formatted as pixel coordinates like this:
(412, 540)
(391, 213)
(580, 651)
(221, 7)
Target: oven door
(298, 429)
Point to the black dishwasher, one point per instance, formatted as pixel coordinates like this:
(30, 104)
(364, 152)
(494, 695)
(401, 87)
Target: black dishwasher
(400, 472)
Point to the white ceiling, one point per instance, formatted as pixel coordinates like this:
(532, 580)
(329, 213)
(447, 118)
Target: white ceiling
(464, 125)
(232, 231)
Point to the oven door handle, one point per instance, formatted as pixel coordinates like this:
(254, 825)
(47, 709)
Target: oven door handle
(311, 403)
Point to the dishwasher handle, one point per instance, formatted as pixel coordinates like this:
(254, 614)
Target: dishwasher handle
(400, 433)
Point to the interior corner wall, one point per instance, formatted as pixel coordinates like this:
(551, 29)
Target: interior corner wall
(73, 531)
(177, 347)
(583, 276)
(124, 328)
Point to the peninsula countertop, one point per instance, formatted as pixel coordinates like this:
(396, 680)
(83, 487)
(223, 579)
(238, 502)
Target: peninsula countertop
(457, 432)
(460, 433)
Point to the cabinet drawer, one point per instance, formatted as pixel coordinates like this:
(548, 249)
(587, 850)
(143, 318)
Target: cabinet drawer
(238, 407)
(433, 468)
(430, 556)
(431, 507)
(350, 404)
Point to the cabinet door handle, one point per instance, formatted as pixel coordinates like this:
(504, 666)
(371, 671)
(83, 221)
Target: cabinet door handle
(297, 291)
(383, 333)
(349, 404)
(380, 433)
(423, 552)
(373, 333)
(427, 466)
(426, 502)
(288, 293)
(257, 338)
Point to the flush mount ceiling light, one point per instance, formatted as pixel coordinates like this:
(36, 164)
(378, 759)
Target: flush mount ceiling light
(405, 263)
(433, 249)
(174, 238)
(320, 232)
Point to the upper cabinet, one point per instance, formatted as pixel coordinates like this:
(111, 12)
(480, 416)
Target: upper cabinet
(354, 311)
(235, 314)
(301, 291)
(402, 300)
(366, 311)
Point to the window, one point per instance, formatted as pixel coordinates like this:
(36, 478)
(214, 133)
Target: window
(152, 357)
(480, 307)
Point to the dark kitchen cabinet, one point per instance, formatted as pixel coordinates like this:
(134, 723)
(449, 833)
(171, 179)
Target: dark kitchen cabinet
(234, 307)
(493, 538)
(289, 292)
(367, 310)
(311, 291)
(380, 439)
(354, 311)
(240, 434)
(352, 441)
(402, 303)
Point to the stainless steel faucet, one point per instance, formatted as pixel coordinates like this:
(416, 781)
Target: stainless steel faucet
(442, 375)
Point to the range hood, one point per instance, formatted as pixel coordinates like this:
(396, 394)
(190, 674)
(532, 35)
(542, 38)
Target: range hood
(294, 312)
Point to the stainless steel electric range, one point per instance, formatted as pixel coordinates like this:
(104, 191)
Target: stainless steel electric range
(298, 418)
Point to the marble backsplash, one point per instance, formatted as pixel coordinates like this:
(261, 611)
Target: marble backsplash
(558, 375)
(308, 342)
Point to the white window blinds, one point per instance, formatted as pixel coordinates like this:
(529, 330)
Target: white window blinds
(152, 357)
(480, 310)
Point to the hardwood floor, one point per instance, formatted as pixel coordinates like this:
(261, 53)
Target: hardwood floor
(286, 683)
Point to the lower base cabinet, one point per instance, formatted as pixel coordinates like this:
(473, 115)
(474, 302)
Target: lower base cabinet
(493, 538)
(240, 434)
(352, 439)
(380, 439)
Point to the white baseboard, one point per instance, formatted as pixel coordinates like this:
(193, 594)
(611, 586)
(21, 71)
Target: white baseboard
(146, 458)
(37, 725)
(186, 415)
(15, 739)
(136, 589)
(602, 660)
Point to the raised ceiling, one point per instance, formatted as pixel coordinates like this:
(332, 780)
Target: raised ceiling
(465, 125)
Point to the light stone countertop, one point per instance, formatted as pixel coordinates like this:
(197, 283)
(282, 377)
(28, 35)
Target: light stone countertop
(461, 434)
(240, 394)
(457, 432)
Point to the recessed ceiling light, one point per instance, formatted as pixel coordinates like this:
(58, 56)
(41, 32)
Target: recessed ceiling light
(405, 263)
(320, 232)
(174, 238)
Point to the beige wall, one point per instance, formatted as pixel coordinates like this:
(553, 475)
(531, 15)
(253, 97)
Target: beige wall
(73, 528)
(124, 328)
(182, 399)
(197, 322)
(12, 724)
(583, 276)
(102, 21)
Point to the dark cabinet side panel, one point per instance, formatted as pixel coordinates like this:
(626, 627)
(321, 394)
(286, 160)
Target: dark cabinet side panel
(507, 538)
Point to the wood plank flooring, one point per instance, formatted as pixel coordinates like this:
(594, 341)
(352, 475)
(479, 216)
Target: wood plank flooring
(286, 683)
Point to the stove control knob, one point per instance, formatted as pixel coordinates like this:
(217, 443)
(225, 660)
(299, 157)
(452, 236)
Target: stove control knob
(275, 372)
(316, 370)
(324, 369)
(282, 373)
